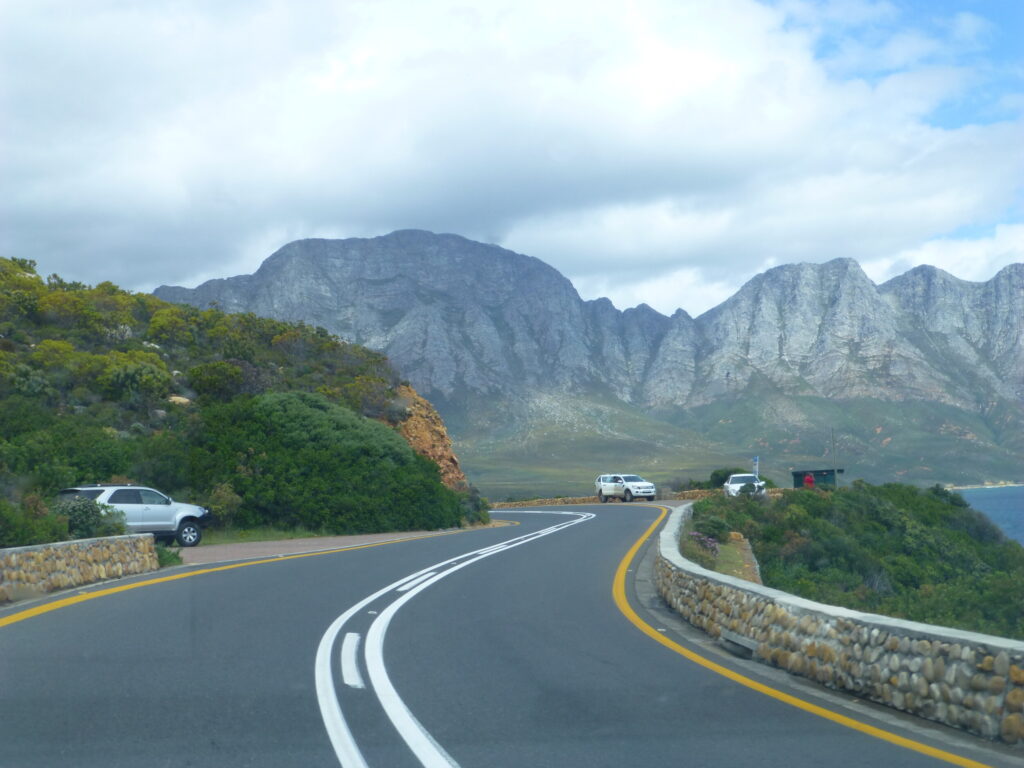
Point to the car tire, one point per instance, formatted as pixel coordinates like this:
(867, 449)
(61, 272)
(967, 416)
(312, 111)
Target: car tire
(188, 534)
(602, 498)
(628, 497)
(650, 498)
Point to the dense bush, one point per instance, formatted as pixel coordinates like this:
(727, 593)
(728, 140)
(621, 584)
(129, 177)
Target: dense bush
(474, 506)
(20, 526)
(296, 459)
(894, 549)
(713, 527)
(89, 520)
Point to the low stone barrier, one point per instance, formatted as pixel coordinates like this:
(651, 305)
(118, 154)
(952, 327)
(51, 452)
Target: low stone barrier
(34, 571)
(544, 502)
(695, 495)
(966, 680)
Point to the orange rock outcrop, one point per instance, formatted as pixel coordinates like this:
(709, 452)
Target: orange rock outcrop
(425, 432)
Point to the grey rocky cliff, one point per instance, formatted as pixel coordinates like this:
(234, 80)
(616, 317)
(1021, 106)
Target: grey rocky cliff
(816, 329)
(978, 325)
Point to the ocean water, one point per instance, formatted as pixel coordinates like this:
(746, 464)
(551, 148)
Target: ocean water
(1004, 507)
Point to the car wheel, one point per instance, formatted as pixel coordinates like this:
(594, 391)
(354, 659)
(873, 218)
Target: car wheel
(601, 497)
(628, 497)
(189, 533)
(650, 498)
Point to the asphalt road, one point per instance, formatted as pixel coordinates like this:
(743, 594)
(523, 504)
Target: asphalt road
(494, 647)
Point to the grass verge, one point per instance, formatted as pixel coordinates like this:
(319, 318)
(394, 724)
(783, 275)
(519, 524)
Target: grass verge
(166, 556)
(213, 536)
(730, 560)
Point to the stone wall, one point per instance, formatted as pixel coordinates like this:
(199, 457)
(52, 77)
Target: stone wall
(544, 502)
(963, 679)
(33, 571)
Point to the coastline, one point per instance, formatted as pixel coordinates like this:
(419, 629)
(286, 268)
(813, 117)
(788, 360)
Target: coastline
(980, 487)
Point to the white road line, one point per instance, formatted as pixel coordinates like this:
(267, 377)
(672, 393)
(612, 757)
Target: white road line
(345, 748)
(410, 584)
(350, 673)
(427, 750)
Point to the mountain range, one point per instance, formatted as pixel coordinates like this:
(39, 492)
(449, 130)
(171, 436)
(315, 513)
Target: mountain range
(920, 378)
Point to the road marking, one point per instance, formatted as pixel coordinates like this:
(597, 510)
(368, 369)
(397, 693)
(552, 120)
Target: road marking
(81, 597)
(427, 750)
(417, 738)
(349, 663)
(619, 596)
(413, 582)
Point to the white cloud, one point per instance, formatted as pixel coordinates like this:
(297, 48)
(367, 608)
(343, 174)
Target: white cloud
(660, 149)
(974, 259)
(687, 289)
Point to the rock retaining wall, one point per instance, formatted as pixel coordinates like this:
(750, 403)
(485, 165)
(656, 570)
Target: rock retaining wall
(33, 571)
(963, 679)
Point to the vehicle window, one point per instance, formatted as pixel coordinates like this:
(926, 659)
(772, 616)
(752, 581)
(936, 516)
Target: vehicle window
(73, 493)
(632, 478)
(616, 479)
(152, 497)
(126, 496)
(744, 479)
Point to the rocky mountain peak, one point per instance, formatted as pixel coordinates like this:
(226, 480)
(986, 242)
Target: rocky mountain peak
(476, 327)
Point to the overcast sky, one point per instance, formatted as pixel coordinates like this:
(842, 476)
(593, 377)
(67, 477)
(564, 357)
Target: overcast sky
(663, 152)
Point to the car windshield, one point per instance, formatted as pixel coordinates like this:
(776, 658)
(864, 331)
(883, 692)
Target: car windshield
(744, 479)
(632, 479)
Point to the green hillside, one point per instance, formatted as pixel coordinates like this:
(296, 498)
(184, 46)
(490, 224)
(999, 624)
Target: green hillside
(560, 448)
(923, 555)
(265, 422)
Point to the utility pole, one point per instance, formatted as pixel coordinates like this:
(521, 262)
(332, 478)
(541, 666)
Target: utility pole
(835, 466)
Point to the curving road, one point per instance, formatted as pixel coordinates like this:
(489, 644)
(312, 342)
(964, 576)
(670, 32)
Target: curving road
(494, 647)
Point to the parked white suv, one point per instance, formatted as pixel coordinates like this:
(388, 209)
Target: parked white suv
(736, 483)
(148, 511)
(625, 487)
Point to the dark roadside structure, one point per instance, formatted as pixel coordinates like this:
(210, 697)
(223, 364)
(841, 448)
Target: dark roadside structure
(822, 478)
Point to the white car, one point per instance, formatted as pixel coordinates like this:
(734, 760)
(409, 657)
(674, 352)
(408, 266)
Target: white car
(625, 487)
(735, 484)
(148, 511)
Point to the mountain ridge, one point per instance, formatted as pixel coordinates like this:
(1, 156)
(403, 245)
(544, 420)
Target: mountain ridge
(496, 339)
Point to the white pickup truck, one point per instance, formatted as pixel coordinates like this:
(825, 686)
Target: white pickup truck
(625, 487)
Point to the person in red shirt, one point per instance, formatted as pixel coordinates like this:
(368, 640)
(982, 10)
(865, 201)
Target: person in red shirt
(808, 480)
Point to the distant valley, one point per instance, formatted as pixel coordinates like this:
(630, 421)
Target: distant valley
(922, 378)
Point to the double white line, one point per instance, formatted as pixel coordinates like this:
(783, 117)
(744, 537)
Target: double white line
(428, 752)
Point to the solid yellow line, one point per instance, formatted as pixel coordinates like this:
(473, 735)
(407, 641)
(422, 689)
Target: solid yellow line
(619, 595)
(82, 597)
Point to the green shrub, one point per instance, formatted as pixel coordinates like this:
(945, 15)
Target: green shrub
(698, 548)
(712, 526)
(218, 380)
(21, 527)
(475, 508)
(296, 459)
(89, 520)
(166, 557)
